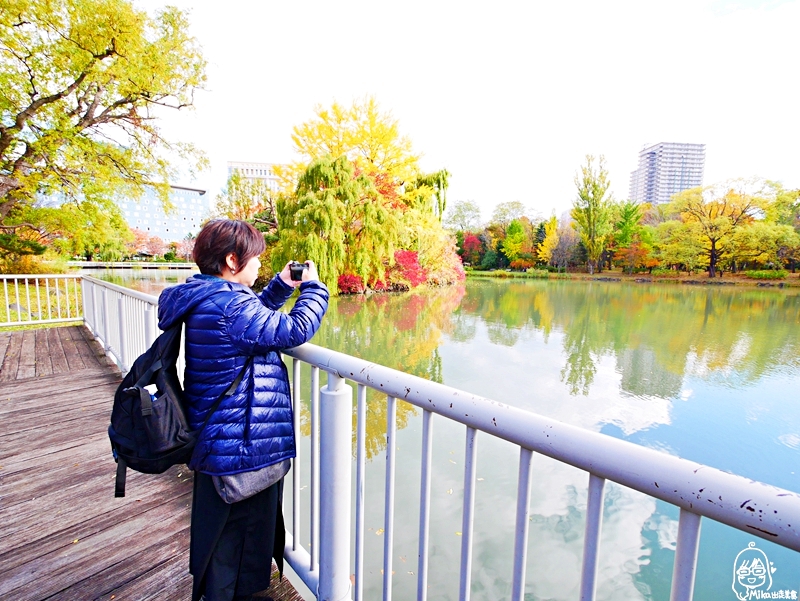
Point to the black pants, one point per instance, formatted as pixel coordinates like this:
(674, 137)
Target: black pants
(232, 546)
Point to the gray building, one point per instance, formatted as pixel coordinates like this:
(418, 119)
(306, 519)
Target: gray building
(665, 169)
(191, 208)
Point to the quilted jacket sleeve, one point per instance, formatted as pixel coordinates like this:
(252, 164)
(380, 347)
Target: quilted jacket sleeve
(256, 329)
(276, 293)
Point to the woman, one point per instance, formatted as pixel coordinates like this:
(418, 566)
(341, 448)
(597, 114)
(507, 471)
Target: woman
(227, 325)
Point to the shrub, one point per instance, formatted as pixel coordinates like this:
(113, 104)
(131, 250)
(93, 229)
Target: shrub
(764, 274)
(538, 273)
(521, 264)
(350, 284)
(407, 269)
(665, 272)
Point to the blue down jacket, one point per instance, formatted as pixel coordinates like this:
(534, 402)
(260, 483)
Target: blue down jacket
(225, 323)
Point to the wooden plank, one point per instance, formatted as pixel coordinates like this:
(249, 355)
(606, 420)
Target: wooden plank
(76, 561)
(57, 355)
(44, 366)
(11, 360)
(74, 358)
(48, 388)
(33, 536)
(5, 340)
(159, 571)
(58, 435)
(27, 356)
(90, 350)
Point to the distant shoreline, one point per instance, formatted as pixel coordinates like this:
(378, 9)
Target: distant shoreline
(791, 281)
(131, 265)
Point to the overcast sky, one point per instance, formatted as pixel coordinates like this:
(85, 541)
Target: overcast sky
(508, 96)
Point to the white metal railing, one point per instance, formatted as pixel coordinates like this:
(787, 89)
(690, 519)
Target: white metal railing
(39, 299)
(699, 491)
(124, 321)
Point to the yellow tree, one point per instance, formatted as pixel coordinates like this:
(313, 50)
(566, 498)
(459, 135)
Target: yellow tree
(364, 134)
(591, 210)
(718, 212)
(550, 242)
(80, 81)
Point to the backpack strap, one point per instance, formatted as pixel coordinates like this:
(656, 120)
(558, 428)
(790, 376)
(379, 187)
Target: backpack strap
(119, 484)
(228, 392)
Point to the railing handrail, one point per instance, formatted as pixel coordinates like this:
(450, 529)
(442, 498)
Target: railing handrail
(760, 509)
(142, 296)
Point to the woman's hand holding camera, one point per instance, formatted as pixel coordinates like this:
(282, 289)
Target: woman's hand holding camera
(295, 273)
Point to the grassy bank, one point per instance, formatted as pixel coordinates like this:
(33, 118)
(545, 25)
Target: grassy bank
(792, 280)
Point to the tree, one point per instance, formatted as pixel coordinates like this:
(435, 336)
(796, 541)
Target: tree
(550, 241)
(763, 244)
(591, 209)
(340, 221)
(678, 245)
(565, 248)
(80, 84)
(506, 212)
(368, 137)
(718, 212)
(464, 216)
(245, 198)
(514, 241)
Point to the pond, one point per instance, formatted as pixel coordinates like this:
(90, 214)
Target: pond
(708, 374)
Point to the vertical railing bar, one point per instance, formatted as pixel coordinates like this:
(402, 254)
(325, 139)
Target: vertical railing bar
(5, 300)
(361, 462)
(467, 519)
(297, 404)
(38, 299)
(388, 524)
(58, 297)
(28, 298)
(591, 542)
(521, 531)
(16, 292)
(77, 302)
(123, 347)
(685, 556)
(425, 505)
(95, 327)
(314, 468)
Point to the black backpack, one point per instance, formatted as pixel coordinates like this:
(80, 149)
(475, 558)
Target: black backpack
(148, 434)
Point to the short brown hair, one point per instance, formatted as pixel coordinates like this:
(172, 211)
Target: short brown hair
(219, 238)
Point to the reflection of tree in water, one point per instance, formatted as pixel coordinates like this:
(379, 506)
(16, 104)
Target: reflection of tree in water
(653, 331)
(401, 331)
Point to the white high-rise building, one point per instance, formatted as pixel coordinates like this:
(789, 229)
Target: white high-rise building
(256, 171)
(665, 169)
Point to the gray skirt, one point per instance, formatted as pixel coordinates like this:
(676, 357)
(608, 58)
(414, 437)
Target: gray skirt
(232, 546)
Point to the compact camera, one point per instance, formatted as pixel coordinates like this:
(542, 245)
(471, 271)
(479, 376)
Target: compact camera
(296, 270)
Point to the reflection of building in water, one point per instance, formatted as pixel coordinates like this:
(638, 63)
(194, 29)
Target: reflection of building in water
(643, 375)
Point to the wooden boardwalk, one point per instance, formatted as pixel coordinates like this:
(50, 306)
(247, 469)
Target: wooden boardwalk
(63, 535)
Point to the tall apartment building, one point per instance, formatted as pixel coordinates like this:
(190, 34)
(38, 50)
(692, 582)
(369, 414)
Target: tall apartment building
(256, 171)
(665, 169)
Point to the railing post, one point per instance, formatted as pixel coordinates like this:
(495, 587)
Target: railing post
(123, 353)
(685, 556)
(106, 321)
(336, 425)
(149, 326)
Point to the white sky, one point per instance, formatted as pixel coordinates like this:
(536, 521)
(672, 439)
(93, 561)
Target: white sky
(508, 96)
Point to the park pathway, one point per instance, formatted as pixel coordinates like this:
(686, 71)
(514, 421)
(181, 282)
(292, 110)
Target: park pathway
(63, 535)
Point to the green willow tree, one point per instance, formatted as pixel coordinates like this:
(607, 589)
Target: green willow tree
(337, 219)
(80, 84)
(591, 210)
